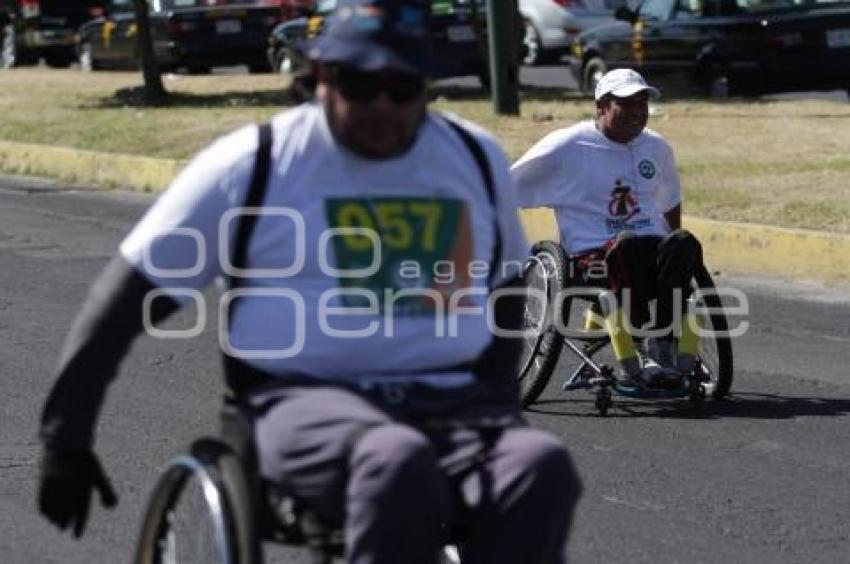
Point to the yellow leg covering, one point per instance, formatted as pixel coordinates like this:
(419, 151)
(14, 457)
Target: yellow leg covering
(689, 341)
(621, 341)
(592, 320)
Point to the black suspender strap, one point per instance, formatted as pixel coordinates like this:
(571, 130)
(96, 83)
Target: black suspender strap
(259, 181)
(487, 175)
(239, 377)
(256, 195)
(497, 364)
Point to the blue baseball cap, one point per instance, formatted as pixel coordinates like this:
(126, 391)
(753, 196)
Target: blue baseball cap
(373, 35)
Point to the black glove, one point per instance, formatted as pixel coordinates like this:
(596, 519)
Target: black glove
(67, 479)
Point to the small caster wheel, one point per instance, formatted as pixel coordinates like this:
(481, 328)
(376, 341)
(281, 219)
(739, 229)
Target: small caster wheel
(603, 401)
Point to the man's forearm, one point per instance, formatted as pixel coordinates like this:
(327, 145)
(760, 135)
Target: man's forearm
(101, 334)
(673, 217)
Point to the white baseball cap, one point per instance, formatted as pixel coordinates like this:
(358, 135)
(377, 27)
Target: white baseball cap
(623, 83)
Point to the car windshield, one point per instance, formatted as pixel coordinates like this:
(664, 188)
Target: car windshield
(656, 9)
(447, 7)
(759, 6)
(63, 6)
(325, 6)
(169, 4)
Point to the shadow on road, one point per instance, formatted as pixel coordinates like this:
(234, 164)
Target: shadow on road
(276, 97)
(744, 405)
(133, 97)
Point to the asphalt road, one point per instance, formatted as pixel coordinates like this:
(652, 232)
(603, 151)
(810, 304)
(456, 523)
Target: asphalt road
(761, 478)
(559, 77)
(549, 76)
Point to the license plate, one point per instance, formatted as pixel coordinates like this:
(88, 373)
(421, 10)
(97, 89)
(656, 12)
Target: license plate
(50, 37)
(836, 38)
(228, 26)
(30, 10)
(460, 33)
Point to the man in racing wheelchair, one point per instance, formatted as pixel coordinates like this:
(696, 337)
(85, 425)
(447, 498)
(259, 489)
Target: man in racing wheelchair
(378, 393)
(615, 191)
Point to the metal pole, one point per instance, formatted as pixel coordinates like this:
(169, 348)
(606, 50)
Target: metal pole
(502, 40)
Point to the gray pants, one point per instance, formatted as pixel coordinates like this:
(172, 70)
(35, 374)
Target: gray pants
(510, 491)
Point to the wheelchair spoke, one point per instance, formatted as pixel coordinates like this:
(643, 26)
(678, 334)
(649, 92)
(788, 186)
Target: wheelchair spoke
(190, 535)
(714, 364)
(544, 277)
(187, 520)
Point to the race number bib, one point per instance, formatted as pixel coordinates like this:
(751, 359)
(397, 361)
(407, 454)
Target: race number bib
(414, 252)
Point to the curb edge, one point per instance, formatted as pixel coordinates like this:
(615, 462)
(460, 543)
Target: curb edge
(729, 246)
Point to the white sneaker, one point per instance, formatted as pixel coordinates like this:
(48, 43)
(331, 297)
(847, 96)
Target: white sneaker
(646, 373)
(686, 363)
(662, 351)
(661, 364)
(650, 375)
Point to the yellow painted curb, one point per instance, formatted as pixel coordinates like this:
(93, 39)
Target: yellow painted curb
(732, 247)
(78, 166)
(775, 251)
(746, 248)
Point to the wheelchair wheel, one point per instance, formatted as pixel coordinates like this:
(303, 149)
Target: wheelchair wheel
(199, 511)
(714, 366)
(546, 272)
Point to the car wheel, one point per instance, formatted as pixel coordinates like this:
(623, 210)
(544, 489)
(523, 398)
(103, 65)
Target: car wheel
(594, 69)
(85, 56)
(287, 63)
(10, 55)
(8, 47)
(297, 72)
(717, 83)
(531, 44)
(719, 87)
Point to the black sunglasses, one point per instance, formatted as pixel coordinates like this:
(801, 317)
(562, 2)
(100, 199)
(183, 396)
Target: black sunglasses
(363, 87)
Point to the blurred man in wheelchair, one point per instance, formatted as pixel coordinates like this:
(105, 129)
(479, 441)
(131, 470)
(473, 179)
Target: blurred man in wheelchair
(613, 186)
(379, 394)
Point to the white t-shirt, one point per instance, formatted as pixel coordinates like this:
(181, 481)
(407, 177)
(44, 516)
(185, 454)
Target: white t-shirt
(410, 278)
(598, 187)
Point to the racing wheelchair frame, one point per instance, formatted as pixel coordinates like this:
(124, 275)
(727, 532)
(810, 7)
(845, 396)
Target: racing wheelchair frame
(551, 273)
(210, 506)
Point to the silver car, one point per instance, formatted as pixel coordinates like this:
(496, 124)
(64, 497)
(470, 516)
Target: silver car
(551, 25)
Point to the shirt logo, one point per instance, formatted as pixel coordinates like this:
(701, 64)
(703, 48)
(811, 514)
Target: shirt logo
(646, 169)
(623, 205)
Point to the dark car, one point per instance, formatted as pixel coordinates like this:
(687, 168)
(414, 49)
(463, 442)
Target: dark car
(191, 34)
(551, 25)
(457, 31)
(32, 29)
(287, 43)
(723, 46)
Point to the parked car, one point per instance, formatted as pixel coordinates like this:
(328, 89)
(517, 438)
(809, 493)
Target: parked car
(32, 29)
(551, 25)
(458, 38)
(191, 34)
(286, 51)
(723, 46)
